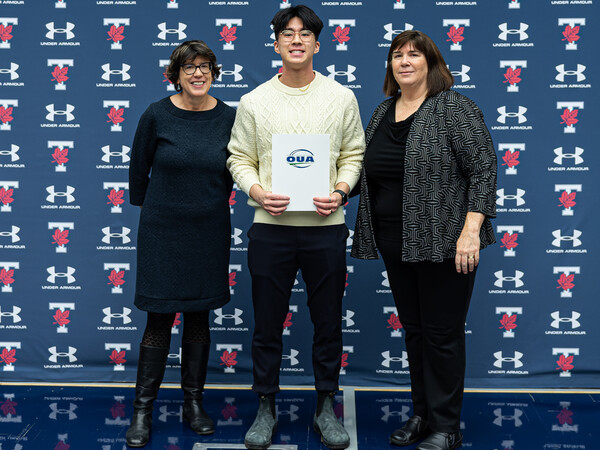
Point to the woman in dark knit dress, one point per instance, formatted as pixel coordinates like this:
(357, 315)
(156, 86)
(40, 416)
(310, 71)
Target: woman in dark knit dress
(177, 176)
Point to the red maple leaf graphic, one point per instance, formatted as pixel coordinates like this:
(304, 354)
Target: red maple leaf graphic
(5, 33)
(228, 34)
(116, 115)
(346, 285)
(8, 356)
(116, 34)
(567, 200)
(565, 416)
(565, 282)
(512, 76)
(232, 281)
(229, 411)
(232, 198)
(228, 358)
(571, 34)
(60, 156)
(6, 194)
(344, 359)
(115, 197)
(565, 364)
(116, 278)
(60, 237)
(59, 74)
(61, 317)
(455, 34)
(117, 410)
(62, 446)
(288, 320)
(172, 447)
(177, 320)
(569, 117)
(511, 159)
(165, 78)
(8, 407)
(394, 322)
(118, 357)
(5, 113)
(508, 322)
(509, 241)
(341, 34)
(6, 276)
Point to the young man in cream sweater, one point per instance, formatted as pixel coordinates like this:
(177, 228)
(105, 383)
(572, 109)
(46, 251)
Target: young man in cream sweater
(297, 101)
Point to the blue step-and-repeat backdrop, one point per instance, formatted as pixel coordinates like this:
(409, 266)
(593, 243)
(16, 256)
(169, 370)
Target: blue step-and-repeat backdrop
(75, 76)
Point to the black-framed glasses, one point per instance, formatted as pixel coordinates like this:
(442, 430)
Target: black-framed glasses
(288, 35)
(190, 69)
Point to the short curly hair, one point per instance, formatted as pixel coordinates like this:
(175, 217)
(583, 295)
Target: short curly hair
(186, 53)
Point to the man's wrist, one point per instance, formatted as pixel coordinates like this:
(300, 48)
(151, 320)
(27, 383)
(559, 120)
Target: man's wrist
(343, 195)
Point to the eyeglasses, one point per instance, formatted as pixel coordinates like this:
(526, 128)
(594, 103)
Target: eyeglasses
(190, 69)
(288, 35)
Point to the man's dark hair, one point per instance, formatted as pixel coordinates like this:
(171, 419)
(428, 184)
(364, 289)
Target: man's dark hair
(309, 19)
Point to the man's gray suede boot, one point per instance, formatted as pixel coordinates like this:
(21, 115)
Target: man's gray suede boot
(332, 432)
(261, 432)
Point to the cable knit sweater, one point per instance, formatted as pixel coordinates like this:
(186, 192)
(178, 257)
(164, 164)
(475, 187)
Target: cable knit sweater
(323, 107)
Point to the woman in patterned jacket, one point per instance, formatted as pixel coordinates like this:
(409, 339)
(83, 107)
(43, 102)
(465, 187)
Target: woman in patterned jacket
(428, 191)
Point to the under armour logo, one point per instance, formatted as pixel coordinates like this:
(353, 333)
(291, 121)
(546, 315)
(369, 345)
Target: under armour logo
(55, 411)
(501, 359)
(12, 71)
(391, 32)
(67, 194)
(559, 238)
(123, 154)
(572, 320)
(165, 413)
(123, 235)
(341, 73)
(236, 316)
(13, 234)
(53, 274)
(505, 31)
(13, 153)
(67, 31)
(515, 417)
(560, 155)
(14, 314)
(54, 354)
(463, 73)
(289, 412)
(501, 279)
(386, 281)
(519, 115)
(67, 112)
(402, 414)
(387, 359)
(178, 31)
(292, 357)
(109, 315)
(576, 73)
(348, 318)
(237, 240)
(236, 73)
(123, 72)
(518, 197)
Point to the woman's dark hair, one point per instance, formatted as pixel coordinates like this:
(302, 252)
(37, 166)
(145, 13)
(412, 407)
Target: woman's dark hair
(439, 77)
(186, 53)
(309, 19)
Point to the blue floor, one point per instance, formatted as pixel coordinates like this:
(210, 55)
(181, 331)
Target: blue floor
(81, 417)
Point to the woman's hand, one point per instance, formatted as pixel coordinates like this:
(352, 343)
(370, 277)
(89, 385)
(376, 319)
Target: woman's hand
(274, 204)
(326, 206)
(467, 245)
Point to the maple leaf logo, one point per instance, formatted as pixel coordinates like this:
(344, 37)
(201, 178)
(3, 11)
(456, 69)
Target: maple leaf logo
(115, 197)
(509, 241)
(60, 75)
(341, 34)
(232, 281)
(511, 159)
(116, 278)
(571, 34)
(177, 320)
(228, 359)
(5, 33)
(565, 363)
(60, 237)
(456, 35)
(567, 200)
(565, 282)
(61, 317)
(565, 416)
(115, 115)
(60, 156)
(228, 34)
(508, 322)
(8, 407)
(346, 285)
(118, 357)
(6, 276)
(344, 359)
(229, 412)
(5, 113)
(165, 78)
(288, 320)
(116, 33)
(512, 76)
(117, 410)
(8, 356)
(569, 117)
(394, 322)
(6, 194)
(62, 446)
(232, 200)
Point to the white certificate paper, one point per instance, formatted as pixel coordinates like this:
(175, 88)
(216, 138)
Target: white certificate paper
(300, 168)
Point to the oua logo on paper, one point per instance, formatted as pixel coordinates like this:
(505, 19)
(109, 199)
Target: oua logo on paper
(300, 158)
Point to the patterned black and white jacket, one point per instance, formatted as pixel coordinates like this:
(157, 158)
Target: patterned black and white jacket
(450, 169)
